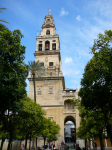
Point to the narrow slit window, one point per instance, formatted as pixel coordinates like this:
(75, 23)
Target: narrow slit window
(54, 46)
(40, 47)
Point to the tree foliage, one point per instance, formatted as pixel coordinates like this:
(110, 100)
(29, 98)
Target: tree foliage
(36, 67)
(13, 70)
(50, 130)
(13, 73)
(96, 90)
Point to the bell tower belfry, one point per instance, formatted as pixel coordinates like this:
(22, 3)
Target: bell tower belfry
(48, 48)
(50, 87)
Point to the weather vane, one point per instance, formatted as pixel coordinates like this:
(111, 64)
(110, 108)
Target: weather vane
(49, 11)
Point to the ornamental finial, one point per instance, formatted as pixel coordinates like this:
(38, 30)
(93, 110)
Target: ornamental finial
(49, 12)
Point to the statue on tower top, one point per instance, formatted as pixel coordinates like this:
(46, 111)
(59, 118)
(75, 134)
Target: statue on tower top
(49, 12)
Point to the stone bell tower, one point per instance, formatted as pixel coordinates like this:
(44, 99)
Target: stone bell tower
(48, 48)
(50, 88)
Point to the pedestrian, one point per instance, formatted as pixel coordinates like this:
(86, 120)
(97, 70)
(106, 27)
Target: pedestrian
(54, 146)
(48, 145)
(58, 146)
(22, 147)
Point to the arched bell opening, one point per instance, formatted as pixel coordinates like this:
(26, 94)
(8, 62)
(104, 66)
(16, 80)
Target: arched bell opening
(47, 45)
(48, 32)
(70, 129)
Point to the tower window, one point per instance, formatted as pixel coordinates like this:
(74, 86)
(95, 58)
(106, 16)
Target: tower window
(54, 46)
(48, 32)
(50, 63)
(40, 47)
(47, 45)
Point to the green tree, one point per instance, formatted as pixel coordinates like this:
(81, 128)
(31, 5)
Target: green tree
(35, 68)
(50, 130)
(92, 123)
(13, 73)
(29, 116)
(13, 70)
(96, 90)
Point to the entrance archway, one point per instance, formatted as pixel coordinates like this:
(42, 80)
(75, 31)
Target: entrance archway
(70, 129)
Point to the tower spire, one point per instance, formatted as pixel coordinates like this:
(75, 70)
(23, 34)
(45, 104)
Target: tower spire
(49, 12)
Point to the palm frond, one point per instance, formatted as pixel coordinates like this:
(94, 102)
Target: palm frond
(1, 20)
(2, 9)
(36, 66)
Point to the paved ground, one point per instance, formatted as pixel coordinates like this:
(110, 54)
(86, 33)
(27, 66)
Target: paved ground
(98, 148)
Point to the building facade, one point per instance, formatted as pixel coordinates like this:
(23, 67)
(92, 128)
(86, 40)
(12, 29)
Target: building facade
(51, 93)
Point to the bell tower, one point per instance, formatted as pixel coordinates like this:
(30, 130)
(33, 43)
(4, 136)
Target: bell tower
(48, 48)
(50, 86)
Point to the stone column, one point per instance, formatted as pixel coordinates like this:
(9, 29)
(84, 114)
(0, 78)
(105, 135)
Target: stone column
(43, 45)
(50, 44)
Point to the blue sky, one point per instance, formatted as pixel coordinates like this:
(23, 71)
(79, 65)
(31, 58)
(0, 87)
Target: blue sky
(78, 24)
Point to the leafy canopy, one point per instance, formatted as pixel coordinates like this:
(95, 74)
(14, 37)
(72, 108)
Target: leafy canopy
(13, 70)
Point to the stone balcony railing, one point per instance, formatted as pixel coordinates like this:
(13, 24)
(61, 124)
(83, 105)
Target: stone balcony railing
(68, 94)
(45, 74)
(44, 36)
(46, 51)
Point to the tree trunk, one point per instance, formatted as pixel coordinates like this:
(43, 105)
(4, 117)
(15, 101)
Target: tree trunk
(34, 101)
(85, 143)
(9, 144)
(20, 142)
(109, 131)
(26, 142)
(34, 88)
(101, 142)
(30, 142)
(89, 143)
(33, 142)
(44, 140)
(36, 142)
(2, 143)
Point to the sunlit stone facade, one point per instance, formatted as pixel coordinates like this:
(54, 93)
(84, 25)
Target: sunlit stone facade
(51, 93)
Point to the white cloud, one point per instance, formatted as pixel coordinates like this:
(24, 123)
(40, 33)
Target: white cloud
(63, 12)
(78, 18)
(68, 60)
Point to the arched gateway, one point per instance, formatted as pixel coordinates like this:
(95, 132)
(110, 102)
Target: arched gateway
(70, 129)
(50, 88)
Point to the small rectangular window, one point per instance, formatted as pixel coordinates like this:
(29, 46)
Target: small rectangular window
(51, 118)
(50, 63)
